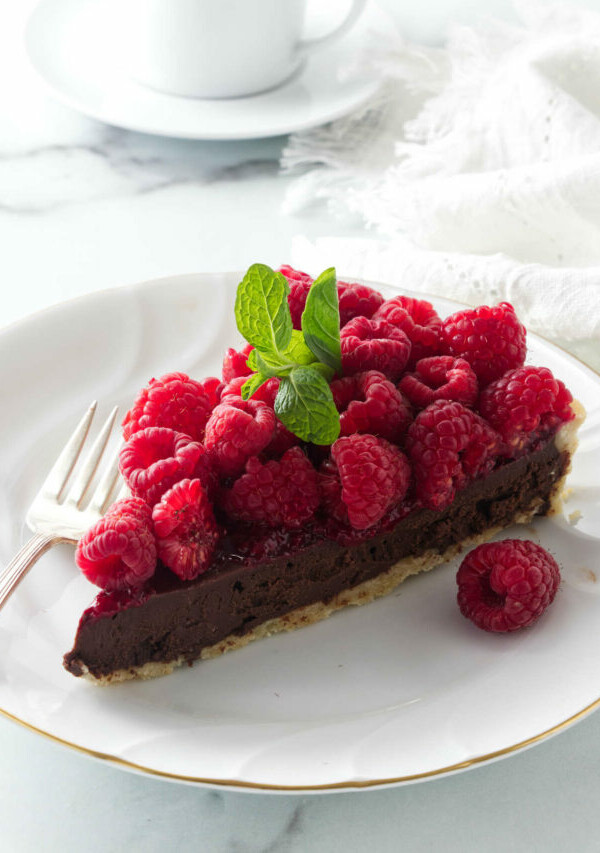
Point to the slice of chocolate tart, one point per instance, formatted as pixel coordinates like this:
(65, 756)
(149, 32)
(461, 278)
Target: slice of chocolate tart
(353, 442)
(283, 581)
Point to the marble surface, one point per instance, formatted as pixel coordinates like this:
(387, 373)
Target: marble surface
(84, 206)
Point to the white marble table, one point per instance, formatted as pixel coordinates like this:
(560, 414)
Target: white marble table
(82, 207)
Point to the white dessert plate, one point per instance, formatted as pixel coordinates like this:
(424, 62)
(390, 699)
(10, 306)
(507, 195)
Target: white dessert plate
(76, 48)
(402, 689)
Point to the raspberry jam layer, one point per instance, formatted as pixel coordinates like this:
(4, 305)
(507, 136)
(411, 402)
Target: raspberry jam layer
(252, 582)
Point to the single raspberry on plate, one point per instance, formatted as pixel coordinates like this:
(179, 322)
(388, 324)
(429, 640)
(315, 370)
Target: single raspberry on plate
(440, 377)
(525, 405)
(280, 492)
(357, 300)
(374, 345)
(363, 478)
(420, 322)
(503, 586)
(186, 529)
(491, 339)
(237, 430)
(300, 283)
(234, 363)
(119, 551)
(368, 402)
(154, 459)
(449, 445)
(174, 401)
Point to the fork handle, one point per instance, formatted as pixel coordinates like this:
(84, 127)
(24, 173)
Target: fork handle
(18, 567)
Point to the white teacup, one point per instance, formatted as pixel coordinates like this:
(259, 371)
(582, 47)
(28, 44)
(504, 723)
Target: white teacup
(220, 48)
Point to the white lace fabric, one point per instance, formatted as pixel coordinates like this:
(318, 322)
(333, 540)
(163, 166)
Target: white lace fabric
(477, 169)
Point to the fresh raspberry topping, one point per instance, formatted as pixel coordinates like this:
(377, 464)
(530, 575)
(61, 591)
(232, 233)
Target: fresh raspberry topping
(186, 529)
(234, 363)
(300, 283)
(357, 300)
(212, 387)
(492, 340)
(154, 459)
(282, 440)
(449, 445)
(136, 507)
(374, 345)
(365, 476)
(293, 275)
(418, 320)
(525, 405)
(368, 402)
(266, 393)
(283, 492)
(440, 377)
(173, 401)
(237, 430)
(119, 551)
(504, 586)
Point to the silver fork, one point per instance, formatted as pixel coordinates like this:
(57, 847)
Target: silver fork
(58, 514)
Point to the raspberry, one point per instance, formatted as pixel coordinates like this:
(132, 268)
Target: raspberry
(282, 440)
(525, 405)
(492, 340)
(119, 551)
(449, 445)
(154, 459)
(135, 507)
(212, 387)
(283, 492)
(357, 300)
(363, 479)
(300, 283)
(294, 276)
(440, 377)
(186, 529)
(418, 320)
(504, 586)
(173, 401)
(234, 363)
(368, 402)
(266, 393)
(237, 430)
(373, 345)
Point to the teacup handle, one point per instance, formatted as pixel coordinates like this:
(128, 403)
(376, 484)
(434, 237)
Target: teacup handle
(308, 45)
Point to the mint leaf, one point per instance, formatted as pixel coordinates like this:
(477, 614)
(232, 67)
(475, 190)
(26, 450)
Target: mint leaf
(297, 349)
(304, 404)
(252, 384)
(281, 364)
(273, 364)
(262, 312)
(251, 362)
(321, 320)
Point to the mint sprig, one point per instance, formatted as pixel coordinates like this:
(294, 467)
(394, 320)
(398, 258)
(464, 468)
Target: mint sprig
(261, 309)
(304, 404)
(321, 320)
(304, 361)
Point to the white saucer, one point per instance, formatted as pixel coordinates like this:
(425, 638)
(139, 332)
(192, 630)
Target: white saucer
(74, 46)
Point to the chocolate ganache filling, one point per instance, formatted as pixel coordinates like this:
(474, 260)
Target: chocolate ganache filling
(257, 576)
